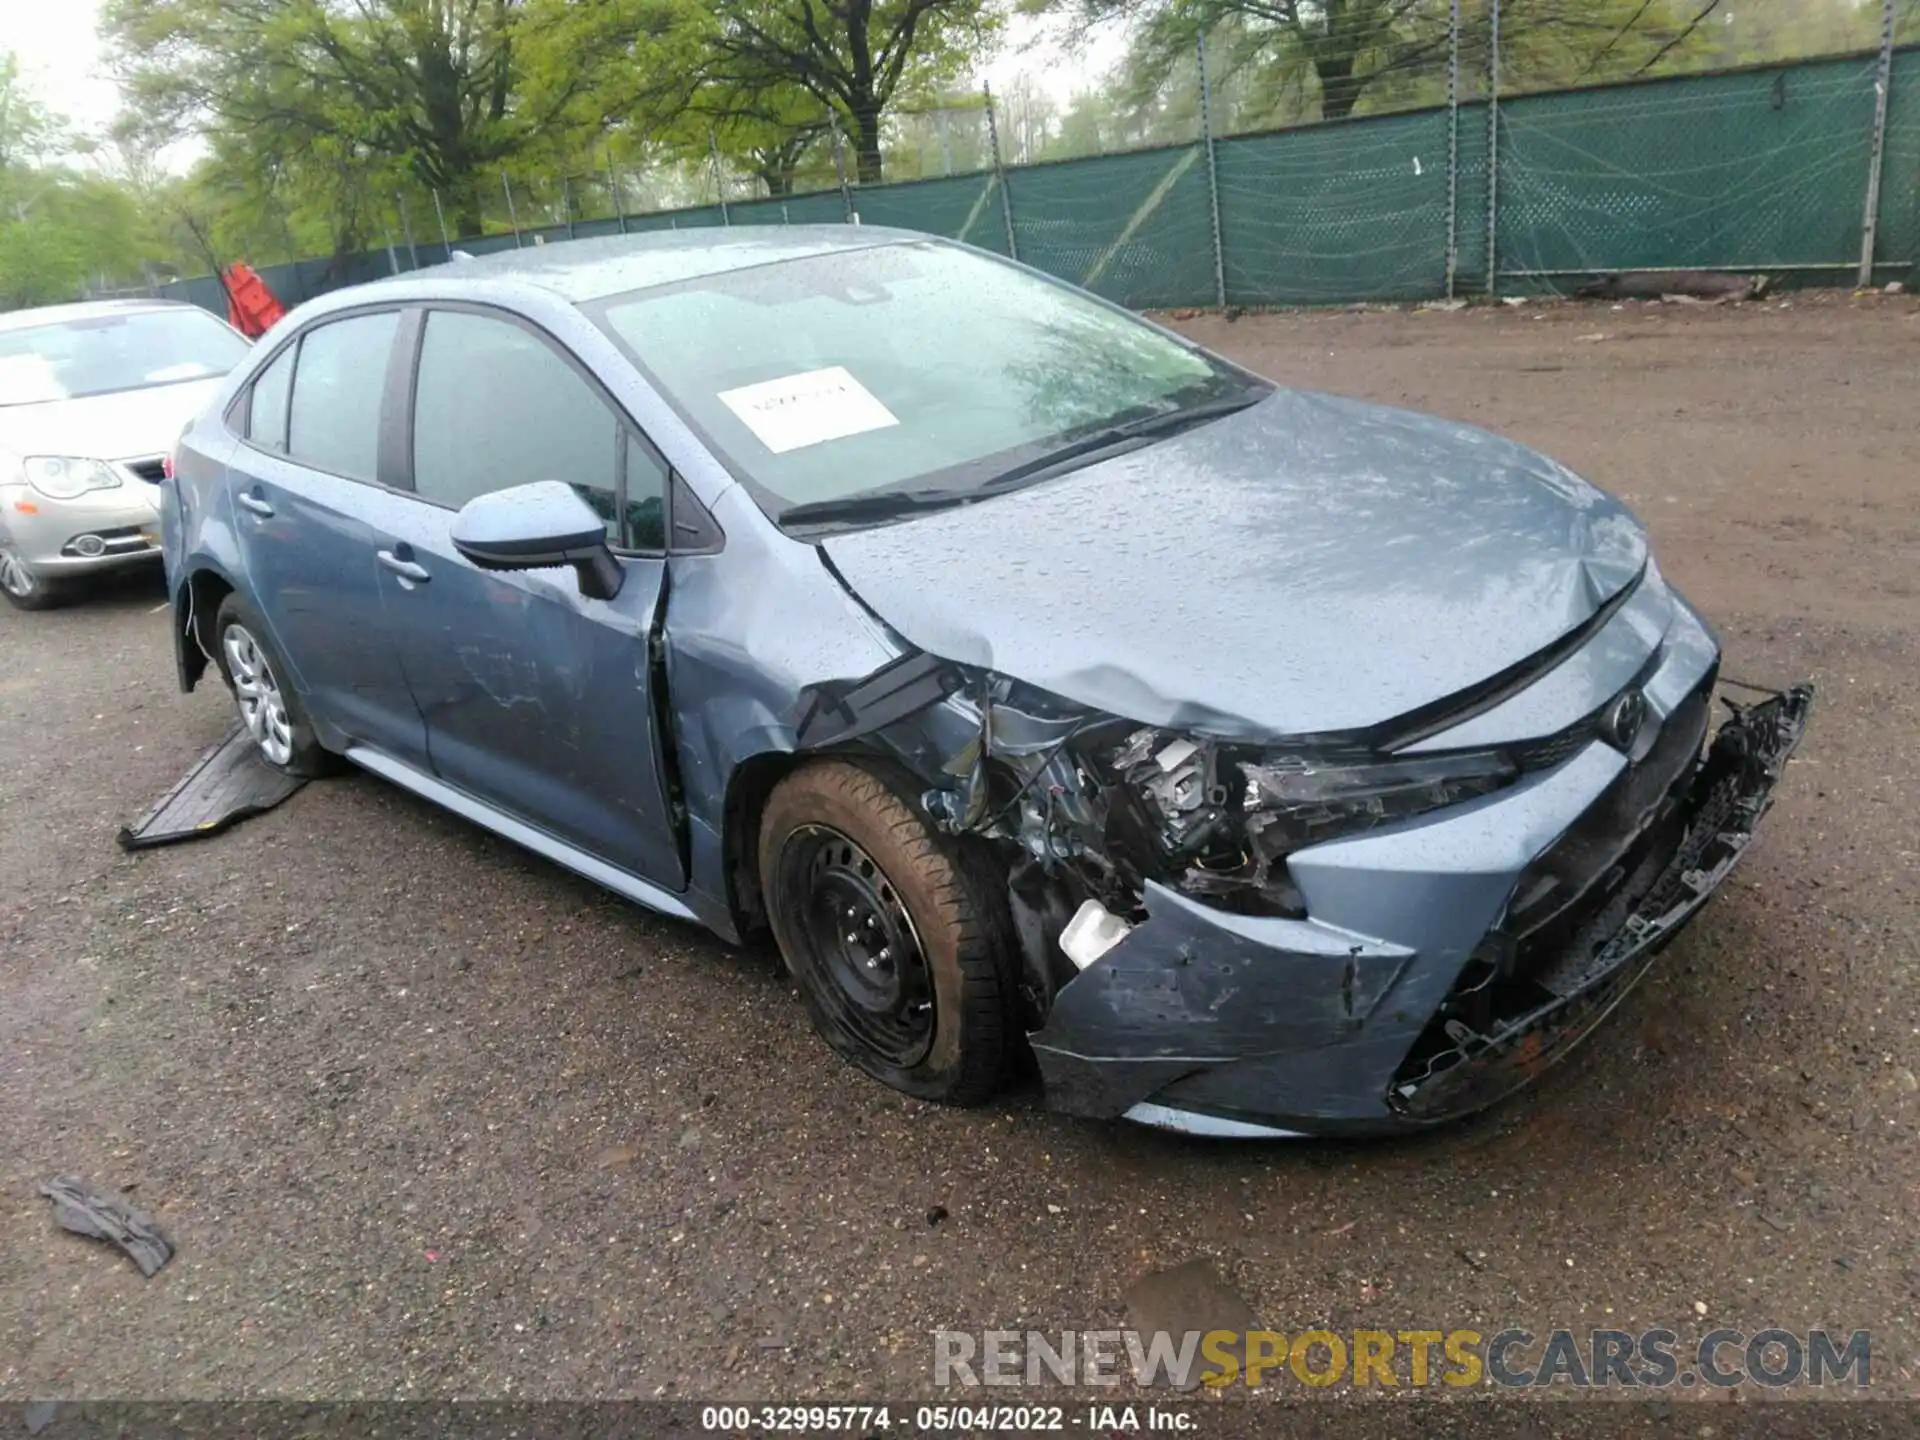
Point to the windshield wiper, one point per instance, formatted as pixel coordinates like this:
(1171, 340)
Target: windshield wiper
(892, 504)
(1109, 437)
(872, 505)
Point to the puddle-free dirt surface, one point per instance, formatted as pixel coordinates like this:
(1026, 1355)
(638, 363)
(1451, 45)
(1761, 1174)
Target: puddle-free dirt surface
(426, 1116)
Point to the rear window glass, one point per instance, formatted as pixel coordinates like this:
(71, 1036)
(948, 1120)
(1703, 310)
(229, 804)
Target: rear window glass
(267, 423)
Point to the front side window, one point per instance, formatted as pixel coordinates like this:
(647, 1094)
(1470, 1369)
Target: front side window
(333, 420)
(911, 367)
(496, 406)
(102, 354)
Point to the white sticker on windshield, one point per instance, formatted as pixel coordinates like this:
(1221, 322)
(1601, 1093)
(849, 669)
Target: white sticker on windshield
(800, 410)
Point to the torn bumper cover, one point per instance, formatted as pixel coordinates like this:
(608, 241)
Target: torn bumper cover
(1229, 1024)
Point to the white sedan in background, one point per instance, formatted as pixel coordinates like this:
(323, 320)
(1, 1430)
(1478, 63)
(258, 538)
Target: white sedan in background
(92, 397)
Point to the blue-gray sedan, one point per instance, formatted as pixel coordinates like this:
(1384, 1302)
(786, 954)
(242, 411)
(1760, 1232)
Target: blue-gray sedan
(1262, 762)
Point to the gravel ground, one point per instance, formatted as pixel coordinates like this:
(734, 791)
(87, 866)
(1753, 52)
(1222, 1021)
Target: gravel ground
(429, 1117)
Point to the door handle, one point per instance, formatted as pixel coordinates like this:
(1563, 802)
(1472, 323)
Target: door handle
(255, 504)
(405, 569)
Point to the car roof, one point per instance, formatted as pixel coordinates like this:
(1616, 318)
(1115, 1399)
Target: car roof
(86, 310)
(583, 270)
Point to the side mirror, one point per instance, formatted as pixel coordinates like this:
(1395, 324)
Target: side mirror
(532, 527)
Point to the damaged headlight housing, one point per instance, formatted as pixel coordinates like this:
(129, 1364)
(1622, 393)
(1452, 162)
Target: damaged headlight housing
(1294, 802)
(1223, 818)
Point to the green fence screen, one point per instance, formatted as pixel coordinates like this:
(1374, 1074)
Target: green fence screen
(1757, 169)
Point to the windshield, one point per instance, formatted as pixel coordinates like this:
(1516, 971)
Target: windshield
(105, 353)
(917, 368)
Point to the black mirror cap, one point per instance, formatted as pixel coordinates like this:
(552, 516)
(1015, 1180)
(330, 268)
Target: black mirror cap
(532, 527)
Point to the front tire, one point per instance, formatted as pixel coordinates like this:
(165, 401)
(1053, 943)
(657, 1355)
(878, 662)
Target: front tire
(895, 934)
(23, 588)
(269, 707)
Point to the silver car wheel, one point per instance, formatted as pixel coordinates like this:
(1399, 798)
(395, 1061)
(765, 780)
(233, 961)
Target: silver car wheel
(15, 578)
(263, 709)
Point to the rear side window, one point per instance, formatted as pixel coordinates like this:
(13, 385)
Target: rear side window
(333, 422)
(267, 420)
(495, 406)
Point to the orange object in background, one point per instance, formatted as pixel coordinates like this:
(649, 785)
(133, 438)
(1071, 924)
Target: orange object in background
(251, 306)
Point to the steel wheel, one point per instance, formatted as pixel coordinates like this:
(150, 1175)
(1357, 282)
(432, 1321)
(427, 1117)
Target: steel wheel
(15, 578)
(858, 939)
(256, 690)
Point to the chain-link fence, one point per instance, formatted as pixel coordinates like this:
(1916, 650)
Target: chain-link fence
(1807, 170)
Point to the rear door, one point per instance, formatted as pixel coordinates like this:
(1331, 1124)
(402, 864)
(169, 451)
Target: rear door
(307, 490)
(537, 699)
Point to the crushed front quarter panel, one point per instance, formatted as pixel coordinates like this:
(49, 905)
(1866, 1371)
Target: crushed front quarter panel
(1376, 1079)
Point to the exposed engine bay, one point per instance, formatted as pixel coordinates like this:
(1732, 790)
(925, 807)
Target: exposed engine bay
(1088, 807)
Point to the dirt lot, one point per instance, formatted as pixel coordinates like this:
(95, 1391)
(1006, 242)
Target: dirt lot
(427, 1116)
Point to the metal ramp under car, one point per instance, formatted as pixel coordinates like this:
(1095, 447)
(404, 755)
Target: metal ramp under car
(224, 786)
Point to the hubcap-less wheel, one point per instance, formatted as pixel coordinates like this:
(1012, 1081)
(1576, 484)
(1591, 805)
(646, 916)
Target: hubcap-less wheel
(15, 578)
(861, 943)
(263, 709)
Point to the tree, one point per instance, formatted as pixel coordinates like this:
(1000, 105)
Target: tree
(773, 155)
(1028, 119)
(1349, 49)
(852, 57)
(444, 90)
(29, 132)
(59, 224)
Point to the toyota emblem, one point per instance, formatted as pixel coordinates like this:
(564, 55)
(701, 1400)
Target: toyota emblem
(1620, 722)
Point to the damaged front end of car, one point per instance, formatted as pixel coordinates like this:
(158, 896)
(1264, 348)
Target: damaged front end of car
(1170, 966)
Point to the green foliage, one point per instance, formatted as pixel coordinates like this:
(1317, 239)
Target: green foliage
(777, 69)
(60, 224)
(1278, 62)
(313, 107)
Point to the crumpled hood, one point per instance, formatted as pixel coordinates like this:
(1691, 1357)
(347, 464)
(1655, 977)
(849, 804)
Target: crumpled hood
(124, 425)
(1310, 564)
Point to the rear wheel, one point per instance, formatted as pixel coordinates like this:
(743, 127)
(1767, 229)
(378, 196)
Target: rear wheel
(23, 588)
(269, 707)
(893, 932)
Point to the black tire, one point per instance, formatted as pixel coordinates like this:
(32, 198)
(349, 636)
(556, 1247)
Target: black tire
(39, 592)
(822, 824)
(305, 755)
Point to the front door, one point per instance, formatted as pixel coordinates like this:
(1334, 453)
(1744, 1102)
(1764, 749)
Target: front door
(536, 699)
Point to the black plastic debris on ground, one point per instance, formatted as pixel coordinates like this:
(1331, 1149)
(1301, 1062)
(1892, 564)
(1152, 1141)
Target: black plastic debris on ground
(226, 785)
(85, 1211)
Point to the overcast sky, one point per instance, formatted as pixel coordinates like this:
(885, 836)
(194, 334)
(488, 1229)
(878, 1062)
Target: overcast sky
(60, 53)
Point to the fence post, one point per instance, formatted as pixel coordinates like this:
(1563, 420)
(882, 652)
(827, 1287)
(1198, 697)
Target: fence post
(1876, 153)
(613, 192)
(406, 231)
(513, 216)
(840, 167)
(1493, 151)
(719, 180)
(1453, 145)
(441, 215)
(1000, 173)
(566, 202)
(1213, 174)
(946, 140)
